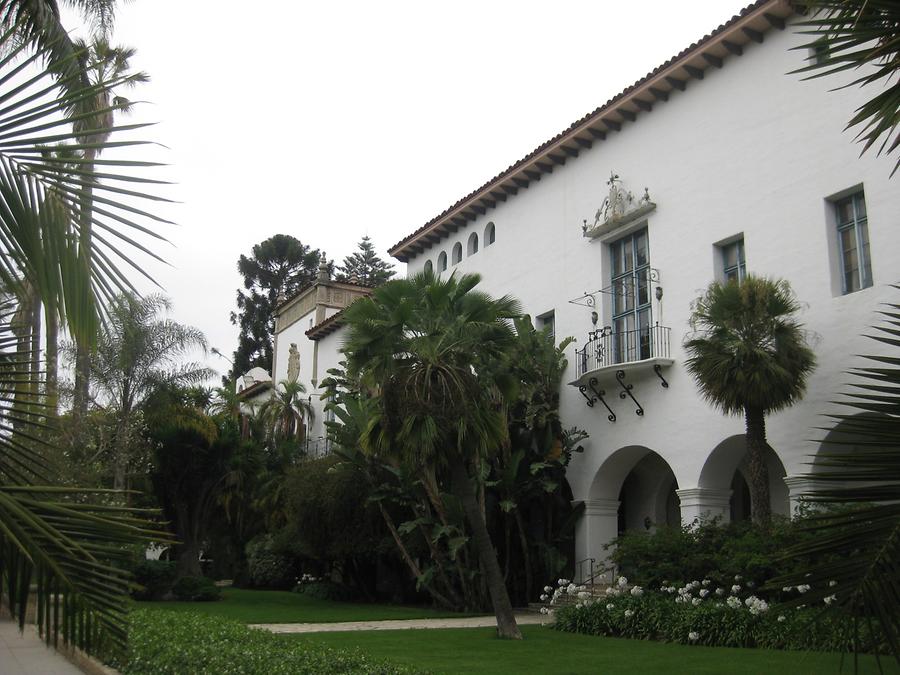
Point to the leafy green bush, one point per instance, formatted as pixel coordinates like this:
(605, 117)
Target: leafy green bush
(706, 551)
(327, 590)
(701, 613)
(196, 589)
(174, 643)
(268, 566)
(155, 577)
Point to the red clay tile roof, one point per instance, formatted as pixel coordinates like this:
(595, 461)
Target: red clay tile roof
(711, 49)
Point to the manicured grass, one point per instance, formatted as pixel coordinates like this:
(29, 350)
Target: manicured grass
(252, 606)
(477, 650)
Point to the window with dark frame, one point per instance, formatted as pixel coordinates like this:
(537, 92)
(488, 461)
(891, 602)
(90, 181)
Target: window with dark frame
(631, 320)
(853, 242)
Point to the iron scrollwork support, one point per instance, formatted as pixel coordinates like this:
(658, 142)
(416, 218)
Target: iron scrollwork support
(626, 391)
(590, 399)
(600, 393)
(658, 370)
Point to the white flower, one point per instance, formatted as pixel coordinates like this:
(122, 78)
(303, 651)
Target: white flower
(679, 599)
(781, 618)
(622, 582)
(832, 583)
(610, 606)
(706, 582)
(544, 597)
(637, 591)
(696, 601)
(583, 595)
(787, 589)
(561, 582)
(738, 577)
(830, 599)
(803, 588)
(548, 589)
(733, 602)
(693, 636)
(571, 589)
(544, 610)
(720, 592)
(629, 613)
(703, 593)
(735, 589)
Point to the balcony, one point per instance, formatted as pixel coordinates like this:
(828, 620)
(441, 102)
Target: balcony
(609, 352)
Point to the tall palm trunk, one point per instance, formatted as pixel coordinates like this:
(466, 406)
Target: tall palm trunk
(52, 376)
(506, 620)
(761, 510)
(82, 342)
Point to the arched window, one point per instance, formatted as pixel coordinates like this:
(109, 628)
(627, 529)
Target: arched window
(457, 253)
(442, 262)
(472, 246)
(429, 269)
(490, 234)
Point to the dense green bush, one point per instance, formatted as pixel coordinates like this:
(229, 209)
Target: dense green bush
(175, 643)
(155, 578)
(704, 614)
(196, 589)
(327, 590)
(268, 565)
(706, 551)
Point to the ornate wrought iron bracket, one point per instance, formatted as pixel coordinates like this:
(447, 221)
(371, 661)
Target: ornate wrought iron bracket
(626, 391)
(590, 399)
(600, 393)
(658, 370)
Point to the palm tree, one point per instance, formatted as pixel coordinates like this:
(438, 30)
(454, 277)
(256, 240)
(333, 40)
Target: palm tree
(286, 413)
(135, 353)
(861, 36)
(107, 68)
(749, 357)
(60, 539)
(855, 554)
(422, 347)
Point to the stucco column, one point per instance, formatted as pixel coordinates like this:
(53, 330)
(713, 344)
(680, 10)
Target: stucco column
(700, 504)
(599, 525)
(797, 486)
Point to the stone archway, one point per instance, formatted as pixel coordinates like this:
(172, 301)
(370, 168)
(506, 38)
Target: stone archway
(722, 491)
(633, 490)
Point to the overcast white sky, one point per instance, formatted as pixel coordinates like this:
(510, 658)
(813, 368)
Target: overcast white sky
(331, 120)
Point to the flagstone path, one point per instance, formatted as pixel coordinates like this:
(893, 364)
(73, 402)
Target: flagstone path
(25, 653)
(405, 624)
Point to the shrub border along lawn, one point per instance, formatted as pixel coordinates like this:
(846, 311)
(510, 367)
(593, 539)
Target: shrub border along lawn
(174, 643)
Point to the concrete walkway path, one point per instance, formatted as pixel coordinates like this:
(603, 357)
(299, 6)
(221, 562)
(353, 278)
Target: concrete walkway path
(26, 654)
(405, 624)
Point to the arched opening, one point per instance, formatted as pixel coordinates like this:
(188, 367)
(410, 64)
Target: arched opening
(442, 262)
(429, 268)
(644, 485)
(490, 233)
(457, 253)
(472, 245)
(726, 469)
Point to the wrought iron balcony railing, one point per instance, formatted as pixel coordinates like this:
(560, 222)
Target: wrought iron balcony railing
(606, 348)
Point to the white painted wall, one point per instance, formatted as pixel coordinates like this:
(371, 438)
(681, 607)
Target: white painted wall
(748, 149)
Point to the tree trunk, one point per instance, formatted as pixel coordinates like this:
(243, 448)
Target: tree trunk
(526, 554)
(760, 505)
(506, 620)
(188, 560)
(52, 377)
(82, 342)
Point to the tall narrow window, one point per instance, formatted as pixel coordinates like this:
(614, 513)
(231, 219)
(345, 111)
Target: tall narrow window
(457, 253)
(490, 234)
(429, 269)
(472, 246)
(853, 242)
(734, 263)
(631, 297)
(547, 322)
(442, 262)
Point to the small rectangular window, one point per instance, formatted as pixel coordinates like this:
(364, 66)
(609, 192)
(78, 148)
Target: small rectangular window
(734, 264)
(853, 242)
(547, 321)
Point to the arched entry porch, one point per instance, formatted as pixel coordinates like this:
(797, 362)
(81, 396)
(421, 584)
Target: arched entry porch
(723, 491)
(634, 489)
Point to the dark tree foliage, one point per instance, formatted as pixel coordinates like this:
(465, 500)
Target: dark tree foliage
(364, 266)
(280, 265)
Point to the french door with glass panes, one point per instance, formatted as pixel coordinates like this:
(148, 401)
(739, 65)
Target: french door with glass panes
(631, 297)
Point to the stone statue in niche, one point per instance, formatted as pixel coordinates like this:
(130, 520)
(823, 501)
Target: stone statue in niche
(293, 368)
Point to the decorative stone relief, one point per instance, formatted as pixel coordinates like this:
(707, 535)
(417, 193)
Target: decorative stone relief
(619, 208)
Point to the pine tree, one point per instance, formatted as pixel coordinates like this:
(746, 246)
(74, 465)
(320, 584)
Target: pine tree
(365, 267)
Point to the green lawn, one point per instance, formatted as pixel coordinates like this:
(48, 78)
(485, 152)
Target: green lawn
(476, 650)
(284, 607)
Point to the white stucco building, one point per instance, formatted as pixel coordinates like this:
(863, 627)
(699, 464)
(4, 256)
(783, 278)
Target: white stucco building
(733, 166)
